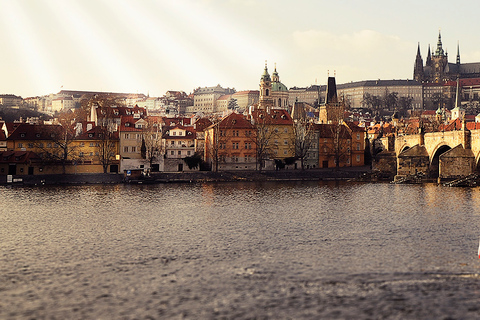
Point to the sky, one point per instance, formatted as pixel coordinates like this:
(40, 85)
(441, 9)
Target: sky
(152, 46)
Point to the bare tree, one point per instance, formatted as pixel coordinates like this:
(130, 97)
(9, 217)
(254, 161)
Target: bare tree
(304, 139)
(263, 137)
(60, 144)
(337, 142)
(152, 146)
(106, 127)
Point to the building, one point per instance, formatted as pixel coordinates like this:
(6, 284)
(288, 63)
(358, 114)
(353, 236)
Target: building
(230, 144)
(279, 91)
(333, 109)
(313, 95)
(204, 99)
(246, 99)
(10, 100)
(353, 93)
(437, 69)
(62, 103)
(178, 143)
(274, 134)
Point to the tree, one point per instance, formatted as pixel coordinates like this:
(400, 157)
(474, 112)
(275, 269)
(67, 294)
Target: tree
(374, 103)
(152, 146)
(232, 104)
(215, 141)
(404, 104)
(337, 142)
(390, 100)
(60, 146)
(304, 139)
(263, 137)
(106, 127)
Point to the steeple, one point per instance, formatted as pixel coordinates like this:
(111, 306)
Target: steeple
(275, 77)
(429, 57)
(458, 53)
(418, 68)
(439, 51)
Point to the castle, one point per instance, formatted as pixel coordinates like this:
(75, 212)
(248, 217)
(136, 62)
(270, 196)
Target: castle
(437, 69)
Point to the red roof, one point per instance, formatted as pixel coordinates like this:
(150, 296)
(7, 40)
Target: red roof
(18, 156)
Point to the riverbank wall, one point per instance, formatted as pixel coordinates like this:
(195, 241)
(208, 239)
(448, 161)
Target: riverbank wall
(198, 176)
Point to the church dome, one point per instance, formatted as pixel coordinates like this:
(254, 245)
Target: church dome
(278, 86)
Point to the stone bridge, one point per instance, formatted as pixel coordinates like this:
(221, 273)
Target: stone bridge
(439, 155)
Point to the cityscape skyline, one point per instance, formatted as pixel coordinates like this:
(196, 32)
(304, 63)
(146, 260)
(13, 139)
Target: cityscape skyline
(153, 47)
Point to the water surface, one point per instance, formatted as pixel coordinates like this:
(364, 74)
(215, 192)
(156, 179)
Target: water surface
(291, 250)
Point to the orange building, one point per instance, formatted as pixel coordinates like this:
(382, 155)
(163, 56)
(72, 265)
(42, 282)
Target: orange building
(230, 144)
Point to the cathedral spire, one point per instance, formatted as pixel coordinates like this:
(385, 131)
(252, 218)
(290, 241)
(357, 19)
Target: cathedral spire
(458, 53)
(429, 57)
(439, 51)
(418, 68)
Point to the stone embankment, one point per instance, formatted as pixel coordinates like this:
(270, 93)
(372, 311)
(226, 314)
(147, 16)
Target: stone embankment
(199, 176)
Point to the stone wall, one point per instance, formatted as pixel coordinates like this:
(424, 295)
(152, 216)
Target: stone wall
(455, 163)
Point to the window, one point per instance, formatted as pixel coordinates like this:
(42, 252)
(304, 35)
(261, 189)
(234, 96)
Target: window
(285, 142)
(172, 143)
(134, 149)
(285, 152)
(91, 154)
(80, 154)
(20, 145)
(358, 158)
(125, 149)
(235, 145)
(127, 135)
(92, 144)
(358, 136)
(179, 152)
(358, 146)
(172, 153)
(188, 153)
(174, 133)
(30, 145)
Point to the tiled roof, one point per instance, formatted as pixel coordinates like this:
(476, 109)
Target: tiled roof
(329, 131)
(18, 156)
(273, 117)
(26, 131)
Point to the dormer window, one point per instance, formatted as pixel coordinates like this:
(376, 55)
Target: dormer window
(22, 135)
(90, 135)
(127, 124)
(37, 135)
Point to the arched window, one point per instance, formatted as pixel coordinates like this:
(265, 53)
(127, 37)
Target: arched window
(267, 92)
(279, 102)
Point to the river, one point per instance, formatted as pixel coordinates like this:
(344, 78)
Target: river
(290, 250)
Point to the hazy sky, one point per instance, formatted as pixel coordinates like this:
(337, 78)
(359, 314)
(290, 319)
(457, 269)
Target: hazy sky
(151, 46)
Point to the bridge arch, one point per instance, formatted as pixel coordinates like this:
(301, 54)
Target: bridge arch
(440, 149)
(404, 147)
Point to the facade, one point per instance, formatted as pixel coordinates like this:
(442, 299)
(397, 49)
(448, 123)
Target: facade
(352, 93)
(178, 143)
(204, 99)
(62, 103)
(246, 99)
(340, 146)
(230, 144)
(313, 95)
(10, 100)
(274, 133)
(60, 150)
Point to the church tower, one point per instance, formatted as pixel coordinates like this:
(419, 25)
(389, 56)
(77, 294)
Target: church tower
(439, 61)
(265, 100)
(418, 68)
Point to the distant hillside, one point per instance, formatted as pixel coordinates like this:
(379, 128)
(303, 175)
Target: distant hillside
(10, 114)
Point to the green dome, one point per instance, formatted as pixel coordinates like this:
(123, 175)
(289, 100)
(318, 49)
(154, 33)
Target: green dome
(278, 86)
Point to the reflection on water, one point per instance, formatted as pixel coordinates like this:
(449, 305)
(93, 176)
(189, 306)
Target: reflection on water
(239, 250)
